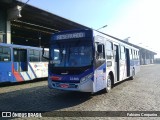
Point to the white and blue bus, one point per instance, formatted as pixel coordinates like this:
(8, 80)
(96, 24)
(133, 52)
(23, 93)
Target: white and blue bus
(89, 61)
(21, 63)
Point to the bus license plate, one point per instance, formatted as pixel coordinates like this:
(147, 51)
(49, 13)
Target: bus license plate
(64, 85)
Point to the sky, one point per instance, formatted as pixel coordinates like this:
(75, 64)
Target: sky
(138, 20)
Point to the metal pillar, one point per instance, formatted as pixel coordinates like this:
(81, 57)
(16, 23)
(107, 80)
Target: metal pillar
(8, 32)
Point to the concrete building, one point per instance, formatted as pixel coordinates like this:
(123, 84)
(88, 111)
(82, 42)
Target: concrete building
(146, 56)
(5, 25)
(24, 24)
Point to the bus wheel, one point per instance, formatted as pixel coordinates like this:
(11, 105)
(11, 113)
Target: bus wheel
(109, 84)
(133, 74)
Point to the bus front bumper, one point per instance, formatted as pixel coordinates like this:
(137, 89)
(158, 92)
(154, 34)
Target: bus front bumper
(86, 86)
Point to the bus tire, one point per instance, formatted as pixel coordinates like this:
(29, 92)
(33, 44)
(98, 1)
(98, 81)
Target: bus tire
(109, 84)
(133, 74)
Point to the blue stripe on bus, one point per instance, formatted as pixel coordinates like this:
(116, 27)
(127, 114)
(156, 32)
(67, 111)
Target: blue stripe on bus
(29, 76)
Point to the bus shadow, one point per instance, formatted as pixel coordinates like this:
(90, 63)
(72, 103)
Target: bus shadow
(40, 99)
(43, 99)
(101, 92)
(121, 82)
(7, 84)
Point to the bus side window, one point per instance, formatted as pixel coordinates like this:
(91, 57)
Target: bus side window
(138, 55)
(109, 50)
(130, 54)
(123, 53)
(100, 51)
(34, 55)
(133, 54)
(46, 54)
(5, 54)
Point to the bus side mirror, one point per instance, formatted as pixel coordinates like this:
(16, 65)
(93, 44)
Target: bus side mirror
(100, 48)
(44, 55)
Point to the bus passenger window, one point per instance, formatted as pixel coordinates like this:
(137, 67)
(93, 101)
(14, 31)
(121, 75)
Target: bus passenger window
(109, 50)
(109, 54)
(131, 57)
(5, 54)
(46, 54)
(136, 54)
(123, 53)
(34, 55)
(132, 54)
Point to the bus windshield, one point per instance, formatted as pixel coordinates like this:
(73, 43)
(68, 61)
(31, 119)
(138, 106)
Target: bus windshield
(71, 53)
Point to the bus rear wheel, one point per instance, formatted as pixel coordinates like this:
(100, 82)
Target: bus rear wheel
(109, 84)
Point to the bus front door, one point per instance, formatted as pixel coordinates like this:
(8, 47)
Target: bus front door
(20, 60)
(127, 62)
(116, 57)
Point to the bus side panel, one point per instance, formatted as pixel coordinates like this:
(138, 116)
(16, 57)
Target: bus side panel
(122, 70)
(35, 70)
(100, 77)
(6, 72)
(17, 75)
(21, 75)
(45, 69)
(38, 69)
(31, 71)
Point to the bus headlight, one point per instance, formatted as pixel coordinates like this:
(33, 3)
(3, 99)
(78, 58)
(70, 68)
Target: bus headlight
(83, 79)
(88, 77)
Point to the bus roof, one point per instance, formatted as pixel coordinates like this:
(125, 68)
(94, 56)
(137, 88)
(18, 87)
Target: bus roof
(114, 39)
(19, 46)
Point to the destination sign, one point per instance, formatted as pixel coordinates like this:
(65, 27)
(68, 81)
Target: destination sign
(70, 36)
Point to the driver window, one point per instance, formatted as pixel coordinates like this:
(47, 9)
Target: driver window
(100, 52)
